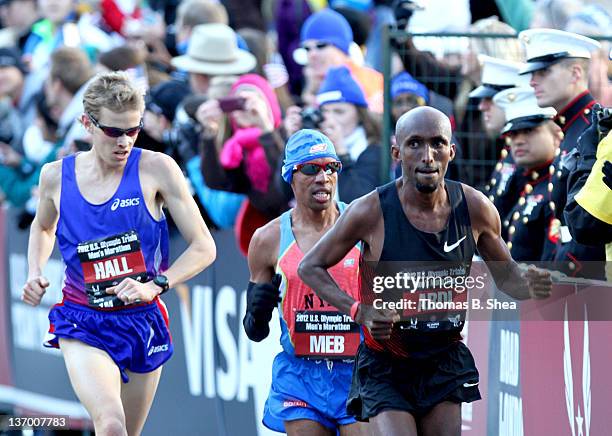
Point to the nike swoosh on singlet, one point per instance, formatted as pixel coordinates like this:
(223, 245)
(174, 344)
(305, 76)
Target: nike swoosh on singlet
(469, 385)
(448, 248)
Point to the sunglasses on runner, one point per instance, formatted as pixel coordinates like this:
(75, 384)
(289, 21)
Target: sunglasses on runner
(116, 132)
(312, 169)
(318, 46)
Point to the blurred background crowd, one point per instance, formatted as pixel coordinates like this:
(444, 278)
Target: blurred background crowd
(228, 82)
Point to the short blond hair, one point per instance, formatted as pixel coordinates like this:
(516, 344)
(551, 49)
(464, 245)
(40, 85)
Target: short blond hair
(114, 91)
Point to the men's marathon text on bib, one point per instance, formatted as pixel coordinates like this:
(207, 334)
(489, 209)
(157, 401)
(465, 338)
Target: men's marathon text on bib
(325, 335)
(108, 261)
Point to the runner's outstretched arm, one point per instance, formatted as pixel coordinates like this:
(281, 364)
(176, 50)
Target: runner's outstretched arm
(354, 225)
(486, 225)
(330, 249)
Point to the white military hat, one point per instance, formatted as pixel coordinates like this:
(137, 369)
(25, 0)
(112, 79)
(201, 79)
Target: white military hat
(544, 47)
(521, 109)
(497, 75)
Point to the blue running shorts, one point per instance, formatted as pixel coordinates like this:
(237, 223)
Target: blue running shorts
(136, 338)
(308, 389)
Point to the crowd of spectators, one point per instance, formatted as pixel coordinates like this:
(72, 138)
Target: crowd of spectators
(228, 82)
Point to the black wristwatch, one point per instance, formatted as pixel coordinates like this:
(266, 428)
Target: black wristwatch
(162, 282)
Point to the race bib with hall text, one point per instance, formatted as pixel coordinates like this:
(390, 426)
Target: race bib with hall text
(108, 261)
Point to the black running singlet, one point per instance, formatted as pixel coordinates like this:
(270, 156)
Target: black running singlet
(438, 265)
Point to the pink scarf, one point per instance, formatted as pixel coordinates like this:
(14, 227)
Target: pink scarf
(244, 143)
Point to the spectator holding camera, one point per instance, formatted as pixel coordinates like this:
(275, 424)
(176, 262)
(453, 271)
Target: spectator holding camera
(242, 145)
(257, 114)
(170, 126)
(241, 150)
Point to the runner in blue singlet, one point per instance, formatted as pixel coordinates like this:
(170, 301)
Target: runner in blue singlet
(105, 208)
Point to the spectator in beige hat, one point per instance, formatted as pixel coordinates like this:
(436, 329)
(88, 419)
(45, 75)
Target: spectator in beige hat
(213, 51)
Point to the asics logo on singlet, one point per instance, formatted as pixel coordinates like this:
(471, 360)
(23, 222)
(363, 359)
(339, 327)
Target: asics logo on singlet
(449, 248)
(127, 202)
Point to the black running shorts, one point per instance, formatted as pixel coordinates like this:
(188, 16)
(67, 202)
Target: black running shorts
(383, 382)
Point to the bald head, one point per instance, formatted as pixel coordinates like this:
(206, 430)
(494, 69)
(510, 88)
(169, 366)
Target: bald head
(419, 117)
(424, 148)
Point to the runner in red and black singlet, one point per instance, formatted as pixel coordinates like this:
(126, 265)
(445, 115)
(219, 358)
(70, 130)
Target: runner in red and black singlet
(413, 372)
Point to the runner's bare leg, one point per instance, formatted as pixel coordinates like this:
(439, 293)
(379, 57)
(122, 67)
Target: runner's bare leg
(355, 429)
(137, 397)
(307, 427)
(393, 423)
(96, 380)
(443, 420)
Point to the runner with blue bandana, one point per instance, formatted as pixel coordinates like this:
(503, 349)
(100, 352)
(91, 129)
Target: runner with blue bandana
(312, 375)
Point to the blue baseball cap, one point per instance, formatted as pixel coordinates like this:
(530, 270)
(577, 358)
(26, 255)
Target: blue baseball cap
(404, 83)
(328, 26)
(304, 146)
(340, 87)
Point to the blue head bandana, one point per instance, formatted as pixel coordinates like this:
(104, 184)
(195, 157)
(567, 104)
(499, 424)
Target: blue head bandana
(303, 146)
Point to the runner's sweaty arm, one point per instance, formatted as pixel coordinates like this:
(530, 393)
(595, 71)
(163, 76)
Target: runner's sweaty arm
(165, 183)
(486, 226)
(363, 221)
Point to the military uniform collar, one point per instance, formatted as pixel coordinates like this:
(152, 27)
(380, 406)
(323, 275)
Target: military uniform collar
(579, 105)
(539, 174)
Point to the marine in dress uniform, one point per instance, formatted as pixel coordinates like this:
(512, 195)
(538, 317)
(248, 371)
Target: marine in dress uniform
(533, 141)
(545, 49)
(505, 183)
